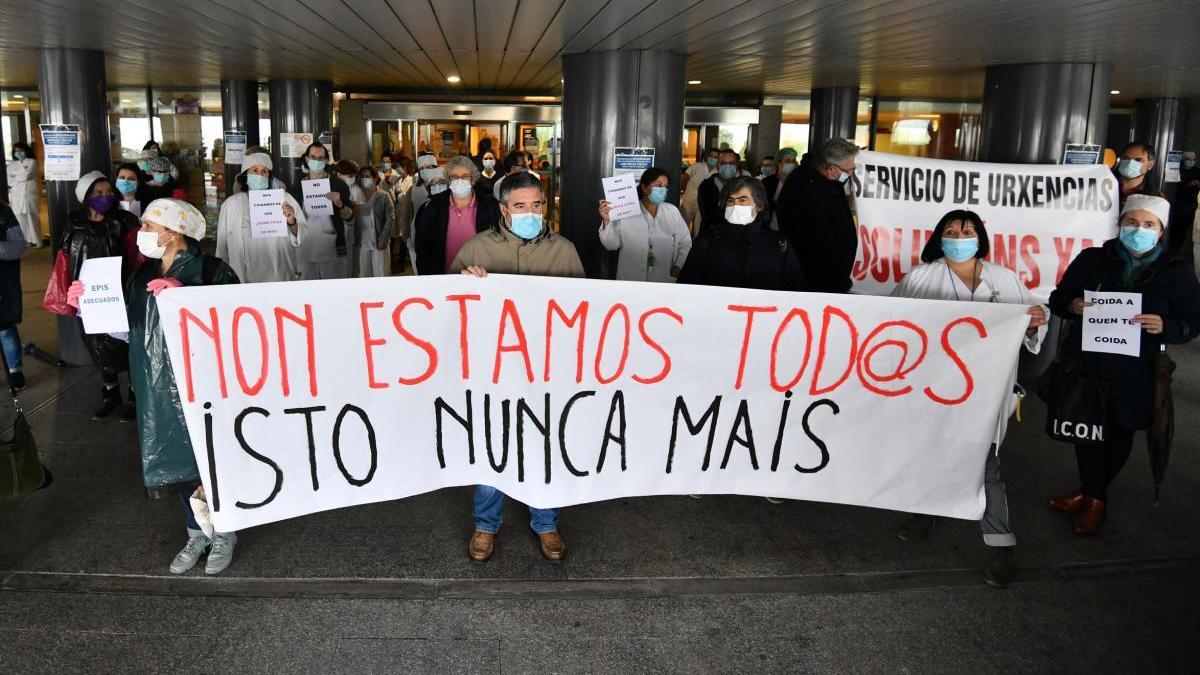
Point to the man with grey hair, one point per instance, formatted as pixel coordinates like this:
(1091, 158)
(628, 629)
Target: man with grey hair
(814, 213)
(521, 243)
(451, 218)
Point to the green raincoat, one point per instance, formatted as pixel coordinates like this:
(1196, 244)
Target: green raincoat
(167, 459)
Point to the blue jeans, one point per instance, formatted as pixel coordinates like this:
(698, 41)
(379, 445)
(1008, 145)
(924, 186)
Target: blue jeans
(11, 340)
(185, 496)
(489, 512)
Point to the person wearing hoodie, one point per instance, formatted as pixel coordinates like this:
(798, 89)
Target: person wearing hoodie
(98, 229)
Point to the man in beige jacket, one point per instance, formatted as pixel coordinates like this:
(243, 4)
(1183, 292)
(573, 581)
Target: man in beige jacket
(521, 244)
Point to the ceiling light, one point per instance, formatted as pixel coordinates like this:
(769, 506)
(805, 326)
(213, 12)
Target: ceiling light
(695, 82)
(541, 98)
(1114, 92)
(125, 100)
(453, 79)
(18, 96)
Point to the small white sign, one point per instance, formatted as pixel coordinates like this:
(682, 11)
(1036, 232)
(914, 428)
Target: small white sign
(266, 214)
(1108, 324)
(315, 201)
(235, 147)
(293, 145)
(102, 305)
(632, 160)
(1174, 158)
(134, 207)
(621, 194)
(61, 151)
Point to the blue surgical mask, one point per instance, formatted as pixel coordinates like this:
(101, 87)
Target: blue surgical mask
(768, 171)
(959, 250)
(255, 181)
(126, 186)
(843, 177)
(712, 162)
(1138, 239)
(20, 154)
(1189, 163)
(787, 168)
(526, 225)
(315, 165)
(144, 165)
(438, 188)
(367, 183)
(1129, 168)
(728, 171)
(387, 166)
(427, 174)
(658, 194)
(161, 178)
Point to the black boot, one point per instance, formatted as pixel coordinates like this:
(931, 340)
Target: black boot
(917, 528)
(112, 401)
(129, 410)
(1000, 567)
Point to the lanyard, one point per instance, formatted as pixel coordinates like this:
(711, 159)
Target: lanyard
(978, 279)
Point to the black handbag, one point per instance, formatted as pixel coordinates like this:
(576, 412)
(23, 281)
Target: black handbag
(1077, 401)
(21, 471)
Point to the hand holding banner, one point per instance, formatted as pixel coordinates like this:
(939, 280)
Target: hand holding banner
(566, 391)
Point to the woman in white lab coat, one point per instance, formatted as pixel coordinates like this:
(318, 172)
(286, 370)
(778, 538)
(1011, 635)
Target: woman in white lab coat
(954, 269)
(653, 243)
(23, 192)
(259, 259)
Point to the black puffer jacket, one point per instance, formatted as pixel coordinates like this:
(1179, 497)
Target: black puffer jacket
(743, 256)
(84, 239)
(1169, 289)
(814, 213)
(11, 248)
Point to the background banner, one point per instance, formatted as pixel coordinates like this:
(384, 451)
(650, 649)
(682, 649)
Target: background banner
(1038, 216)
(308, 396)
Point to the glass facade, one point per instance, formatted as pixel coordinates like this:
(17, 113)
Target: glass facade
(793, 132)
(939, 129)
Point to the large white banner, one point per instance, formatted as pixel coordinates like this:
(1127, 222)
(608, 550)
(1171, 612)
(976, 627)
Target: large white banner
(308, 396)
(1038, 216)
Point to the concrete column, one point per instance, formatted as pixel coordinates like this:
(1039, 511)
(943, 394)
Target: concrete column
(611, 99)
(766, 133)
(833, 113)
(74, 90)
(298, 106)
(352, 132)
(1032, 110)
(1161, 122)
(239, 112)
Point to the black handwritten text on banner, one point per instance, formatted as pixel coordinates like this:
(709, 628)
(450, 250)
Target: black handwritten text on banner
(1038, 216)
(327, 394)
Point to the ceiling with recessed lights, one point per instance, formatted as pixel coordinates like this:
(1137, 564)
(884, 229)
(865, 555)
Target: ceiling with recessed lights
(923, 48)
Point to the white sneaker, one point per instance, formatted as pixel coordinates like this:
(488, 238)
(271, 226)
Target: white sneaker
(222, 552)
(190, 555)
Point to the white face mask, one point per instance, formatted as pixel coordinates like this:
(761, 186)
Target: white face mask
(460, 187)
(739, 214)
(147, 243)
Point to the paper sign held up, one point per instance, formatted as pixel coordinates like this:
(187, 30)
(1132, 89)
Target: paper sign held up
(102, 306)
(1108, 324)
(315, 201)
(266, 214)
(621, 194)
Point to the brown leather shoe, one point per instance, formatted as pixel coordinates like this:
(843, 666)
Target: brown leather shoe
(483, 545)
(553, 546)
(1071, 502)
(1088, 522)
